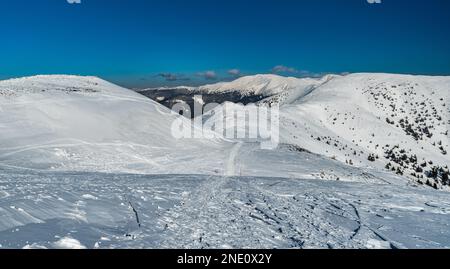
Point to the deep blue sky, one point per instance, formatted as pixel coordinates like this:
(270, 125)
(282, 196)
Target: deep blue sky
(130, 42)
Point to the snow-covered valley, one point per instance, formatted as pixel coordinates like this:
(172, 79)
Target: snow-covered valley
(87, 164)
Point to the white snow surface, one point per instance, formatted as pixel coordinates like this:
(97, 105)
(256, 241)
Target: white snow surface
(352, 111)
(265, 85)
(54, 210)
(69, 123)
(77, 154)
(346, 118)
(87, 124)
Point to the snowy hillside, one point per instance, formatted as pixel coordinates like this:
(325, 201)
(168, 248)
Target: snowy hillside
(69, 123)
(264, 85)
(72, 123)
(91, 210)
(245, 90)
(87, 164)
(397, 123)
(375, 121)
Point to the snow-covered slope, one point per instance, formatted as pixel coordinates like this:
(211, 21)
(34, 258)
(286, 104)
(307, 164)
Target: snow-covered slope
(70, 123)
(365, 120)
(91, 210)
(59, 133)
(264, 85)
(376, 120)
(85, 123)
(187, 88)
(392, 122)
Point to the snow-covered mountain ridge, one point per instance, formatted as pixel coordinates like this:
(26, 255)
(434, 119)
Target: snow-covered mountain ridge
(80, 157)
(389, 122)
(264, 85)
(394, 122)
(397, 121)
(88, 124)
(46, 125)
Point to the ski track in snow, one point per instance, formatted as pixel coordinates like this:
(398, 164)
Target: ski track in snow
(216, 214)
(38, 210)
(232, 160)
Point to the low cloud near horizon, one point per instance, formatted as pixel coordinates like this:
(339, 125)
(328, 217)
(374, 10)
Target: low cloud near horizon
(234, 72)
(284, 69)
(208, 75)
(173, 77)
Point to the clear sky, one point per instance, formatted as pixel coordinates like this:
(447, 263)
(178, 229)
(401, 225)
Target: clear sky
(140, 43)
